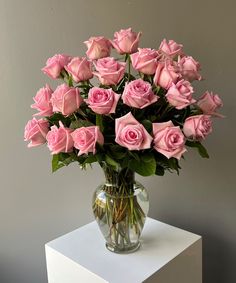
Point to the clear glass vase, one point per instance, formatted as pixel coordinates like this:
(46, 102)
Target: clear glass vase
(120, 207)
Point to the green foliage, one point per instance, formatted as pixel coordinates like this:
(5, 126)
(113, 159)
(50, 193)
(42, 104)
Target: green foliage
(201, 149)
(99, 122)
(145, 166)
(147, 125)
(160, 171)
(62, 159)
(80, 123)
(163, 163)
(56, 117)
(109, 160)
(117, 152)
(87, 159)
(174, 165)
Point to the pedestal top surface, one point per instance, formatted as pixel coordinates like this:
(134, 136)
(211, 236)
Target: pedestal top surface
(160, 243)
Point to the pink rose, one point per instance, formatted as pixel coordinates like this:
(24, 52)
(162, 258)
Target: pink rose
(168, 139)
(36, 131)
(80, 69)
(60, 139)
(189, 68)
(66, 99)
(145, 60)
(179, 95)
(166, 74)
(170, 48)
(139, 94)
(42, 102)
(55, 65)
(126, 41)
(98, 47)
(109, 71)
(85, 139)
(131, 134)
(197, 127)
(209, 103)
(102, 101)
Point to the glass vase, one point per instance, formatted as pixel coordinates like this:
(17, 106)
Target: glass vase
(120, 207)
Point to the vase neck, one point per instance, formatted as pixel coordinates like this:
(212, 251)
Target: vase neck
(120, 181)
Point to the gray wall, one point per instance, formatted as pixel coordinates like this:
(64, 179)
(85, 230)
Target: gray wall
(36, 206)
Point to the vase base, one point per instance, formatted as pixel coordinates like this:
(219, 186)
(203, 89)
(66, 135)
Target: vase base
(125, 250)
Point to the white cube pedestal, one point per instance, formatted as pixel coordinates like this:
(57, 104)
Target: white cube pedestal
(167, 255)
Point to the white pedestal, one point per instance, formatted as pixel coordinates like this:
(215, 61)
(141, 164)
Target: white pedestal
(167, 255)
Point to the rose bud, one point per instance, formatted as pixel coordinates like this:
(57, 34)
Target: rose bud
(209, 103)
(55, 65)
(189, 68)
(66, 99)
(98, 47)
(85, 139)
(59, 139)
(42, 101)
(197, 127)
(166, 74)
(126, 41)
(36, 131)
(109, 71)
(170, 48)
(145, 60)
(80, 69)
(179, 95)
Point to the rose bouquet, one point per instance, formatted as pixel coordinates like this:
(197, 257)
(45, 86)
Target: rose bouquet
(139, 115)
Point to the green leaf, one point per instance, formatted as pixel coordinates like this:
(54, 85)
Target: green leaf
(117, 152)
(147, 125)
(201, 149)
(134, 155)
(63, 73)
(174, 164)
(147, 157)
(161, 160)
(70, 81)
(121, 85)
(195, 110)
(160, 171)
(90, 159)
(155, 89)
(125, 161)
(74, 124)
(130, 76)
(80, 123)
(111, 161)
(55, 163)
(144, 168)
(100, 157)
(104, 86)
(180, 115)
(56, 117)
(66, 77)
(62, 159)
(84, 160)
(99, 122)
(162, 92)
